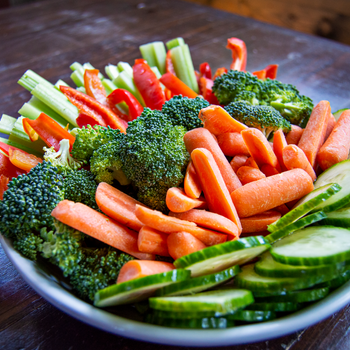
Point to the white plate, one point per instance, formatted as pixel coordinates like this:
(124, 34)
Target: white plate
(50, 286)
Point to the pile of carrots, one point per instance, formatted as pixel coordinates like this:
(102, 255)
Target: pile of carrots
(221, 200)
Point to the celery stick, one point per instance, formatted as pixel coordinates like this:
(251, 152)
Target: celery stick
(59, 83)
(124, 81)
(30, 80)
(147, 53)
(81, 89)
(90, 66)
(76, 66)
(158, 75)
(125, 67)
(22, 147)
(6, 124)
(78, 78)
(175, 42)
(56, 101)
(154, 53)
(108, 85)
(112, 71)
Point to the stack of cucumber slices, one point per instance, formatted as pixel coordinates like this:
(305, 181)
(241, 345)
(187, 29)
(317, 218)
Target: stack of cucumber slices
(305, 256)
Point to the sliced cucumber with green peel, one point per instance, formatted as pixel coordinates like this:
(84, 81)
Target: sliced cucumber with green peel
(338, 113)
(199, 284)
(316, 245)
(301, 223)
(219, 257)
(321, 194)
(220, 302)
(183, 314)
(252, 315)
(340, 174)
(340, 217)
(275, 306)
(338, 281)
(269, 267)
(137, 289)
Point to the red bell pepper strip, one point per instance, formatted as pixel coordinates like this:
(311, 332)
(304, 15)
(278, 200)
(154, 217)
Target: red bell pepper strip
(271, 71)
(205, 88)
(176, 86)
(85, 119)
(93, 85)
(8, 169)
(121, 95)
(47, 129)
(169, 67)
(260, 74)
(3, 185)
(89, 106)
(148, 84)
(239, 53)
(23, 160)
(5, 148)
(219, 72)
(205, 70)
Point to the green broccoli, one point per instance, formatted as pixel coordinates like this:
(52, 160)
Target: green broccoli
(264, 118)
(29, 244)
(183, 111)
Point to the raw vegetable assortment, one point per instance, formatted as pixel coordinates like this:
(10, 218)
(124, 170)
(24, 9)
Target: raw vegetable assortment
(217, 199)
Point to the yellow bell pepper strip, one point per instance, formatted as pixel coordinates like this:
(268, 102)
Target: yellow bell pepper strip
(48, 130)
(23, 160)
(176, 86)
(239, 53)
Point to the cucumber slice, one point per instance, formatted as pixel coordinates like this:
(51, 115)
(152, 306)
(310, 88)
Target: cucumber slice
(338, 113)
(340, 174)
(199, 284)
(277, 307)
(252, 315)
(195, 323)
(249, 279)
(301, 223)
(338, 281)
(137, 289)
(340, 217)
(316, 245)
(269, 267)
(219, 257)
(220, 302)
(183, 314)
(321, 194)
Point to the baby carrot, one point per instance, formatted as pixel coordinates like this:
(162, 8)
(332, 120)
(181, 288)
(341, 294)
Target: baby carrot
(284, 208)
(215, 192)
(95, 224)
(202, 138)
(259, 222)
(192, 185)
(315, 131)
(294, 157)
(248, 174)
(336, 148)
(152, 241)
(265, 194)
(294, 135)
(218, 121)
(140, 268)
(232, 144)
(237, 162)
(269, 170)
(183, 243)
(279, 142)
(251, 162)
(330, 125)
(178, 202)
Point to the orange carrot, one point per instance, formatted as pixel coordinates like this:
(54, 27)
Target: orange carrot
(183, 243)
(232, 144)
(279, 142)
(118, 205)
(176, 86)
(336, 148)
(152, 241)
(259, 222)
(248, 174)
(315, 131)
(91, 222)
(293, 137)
(218, 121)
(141, 268)
(251, 162)
(265, 194)
(269, 170)
(209, 220)
(178, 202)
(215, 192)
(330, 125)
(237, 162)
(294, 157)
(259, 148)
(192, 185)
(202, 138)
(168, 224)
(23, 160)
(284, 208)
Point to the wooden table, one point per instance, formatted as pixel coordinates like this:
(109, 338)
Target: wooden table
(47, 37)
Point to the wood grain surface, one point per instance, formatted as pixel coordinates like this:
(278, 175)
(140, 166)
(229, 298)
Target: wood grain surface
(47, 37)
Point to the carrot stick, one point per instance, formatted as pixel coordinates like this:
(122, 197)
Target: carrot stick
(192, 185)
(183, 243)
(218, 121)
(118, 205)
(259, 222)
(209, 220)
(91, 222)
(23, 160)
(140, 268)
(248, 174)
(336, 148)
(279, 142)
(215, 192)
(178, 202)
(315, 131)
(176, 86)
(293, 137)
(168, 224)
(294, 157)
(284, 208)
(202, 138)
(232, 144)
(251, 162)
(259, 148)
(330, 125)
(152, 241)
(269, 170)
(265, 194)
(237, 162)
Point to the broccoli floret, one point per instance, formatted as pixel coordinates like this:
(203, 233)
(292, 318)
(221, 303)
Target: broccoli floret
(28, 244)
(90, 138)
(153, 197)
(184, 111)
(264, 118)
(248, 97)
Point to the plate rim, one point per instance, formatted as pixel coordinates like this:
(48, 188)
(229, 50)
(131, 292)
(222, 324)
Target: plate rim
(65, 301)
